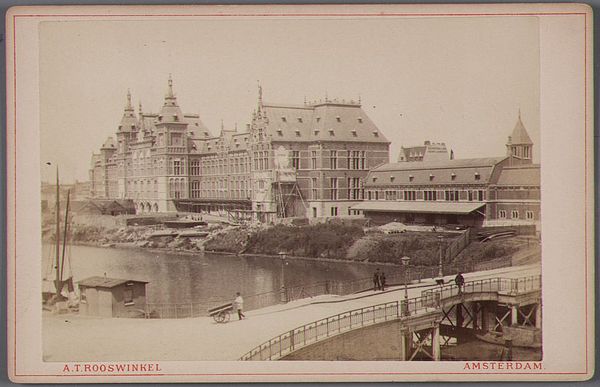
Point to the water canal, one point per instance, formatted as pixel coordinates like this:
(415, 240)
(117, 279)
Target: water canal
(202, 277)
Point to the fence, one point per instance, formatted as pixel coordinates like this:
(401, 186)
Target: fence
(288, 294)
(316, 331)
(458, 245)
(505, 285)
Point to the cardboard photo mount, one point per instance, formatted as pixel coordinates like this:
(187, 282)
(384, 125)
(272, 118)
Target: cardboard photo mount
(567, 182)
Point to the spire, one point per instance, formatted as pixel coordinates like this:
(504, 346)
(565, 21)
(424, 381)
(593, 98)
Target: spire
(519, 134)
(260, 99)
(128, 105)
(128, 121)
(170, 89)
(222, 125)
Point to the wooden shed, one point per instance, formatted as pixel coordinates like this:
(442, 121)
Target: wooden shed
(111, 297)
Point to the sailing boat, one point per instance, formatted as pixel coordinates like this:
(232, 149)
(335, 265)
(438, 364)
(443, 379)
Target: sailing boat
(57, 285)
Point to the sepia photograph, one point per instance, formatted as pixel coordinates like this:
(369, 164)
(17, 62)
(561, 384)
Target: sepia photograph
(310, 185)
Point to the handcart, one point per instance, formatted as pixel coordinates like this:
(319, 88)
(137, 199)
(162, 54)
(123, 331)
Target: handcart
(221, 314)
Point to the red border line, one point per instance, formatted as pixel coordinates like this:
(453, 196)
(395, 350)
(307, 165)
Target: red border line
(295, 15)
(14, 263)
(308, 14)
(585, 161)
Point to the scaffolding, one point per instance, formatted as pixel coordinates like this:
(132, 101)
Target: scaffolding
(287, 193)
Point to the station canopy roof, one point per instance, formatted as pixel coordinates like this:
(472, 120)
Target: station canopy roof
(418, 207)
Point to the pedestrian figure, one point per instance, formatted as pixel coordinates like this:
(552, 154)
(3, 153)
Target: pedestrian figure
(376, 278)
(239, 305)
(460, 281)
(382, 281)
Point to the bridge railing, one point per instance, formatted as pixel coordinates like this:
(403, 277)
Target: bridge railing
(319, 330)
(330, 326)
(498, 285)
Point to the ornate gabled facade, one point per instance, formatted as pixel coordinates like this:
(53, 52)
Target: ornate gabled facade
(292, 160)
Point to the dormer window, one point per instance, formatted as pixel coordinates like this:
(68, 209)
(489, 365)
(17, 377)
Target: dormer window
(159, 118)
(360, 120)
(318, 119)
(375, 133)
(132, 126)
(354, 134)
(392, 178)
(279, 132)
(453, 176)
(411, 177)
(374, 179)
(338, 119)
(477, 176)
(297, 133)
(300, 119)
(431, 176)
(175, 117)
(283, 119)
(331, 132)
(316, 132)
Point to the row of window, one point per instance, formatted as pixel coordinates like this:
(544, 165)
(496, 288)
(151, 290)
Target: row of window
(428, 195)
(354, 188)
(514, 214)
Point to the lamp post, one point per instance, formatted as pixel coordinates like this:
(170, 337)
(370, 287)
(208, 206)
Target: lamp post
(283, 297)
(405, 260)
(440, 271)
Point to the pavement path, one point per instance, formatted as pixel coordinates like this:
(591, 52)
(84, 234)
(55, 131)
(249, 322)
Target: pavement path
(81, 338)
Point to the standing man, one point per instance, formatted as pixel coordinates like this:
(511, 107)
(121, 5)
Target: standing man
(376, 283)
(460, 281)
(239, 305)
(382, 281)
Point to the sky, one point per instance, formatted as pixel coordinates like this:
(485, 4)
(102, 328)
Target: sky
(456, 80)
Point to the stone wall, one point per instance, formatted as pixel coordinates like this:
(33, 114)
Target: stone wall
(376, 342)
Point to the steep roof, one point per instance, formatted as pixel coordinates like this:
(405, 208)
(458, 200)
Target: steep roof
(446, 164)
(519, 134)
(288, 123)
(449, 172)
(523, 175)
(109, 143)
(327, 121)
(129, 121)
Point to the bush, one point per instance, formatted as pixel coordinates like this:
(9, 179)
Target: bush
(229, 241)
(423, 250)
(330, 240)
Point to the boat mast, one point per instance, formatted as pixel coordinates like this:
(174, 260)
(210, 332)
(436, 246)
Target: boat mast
(62, 263)
(58, 284)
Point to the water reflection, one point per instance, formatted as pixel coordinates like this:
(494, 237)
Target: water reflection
(182, 278)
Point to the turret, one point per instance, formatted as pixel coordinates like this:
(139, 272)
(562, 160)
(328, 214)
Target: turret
(519, 144)
(128, 126)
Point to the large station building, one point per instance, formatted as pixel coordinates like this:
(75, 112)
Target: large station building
(483, 191)
(307, 160)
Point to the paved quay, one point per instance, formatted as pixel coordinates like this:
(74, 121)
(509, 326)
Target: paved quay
(80, 338)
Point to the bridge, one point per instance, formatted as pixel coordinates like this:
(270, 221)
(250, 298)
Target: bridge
(421, 325)
(375, 316)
